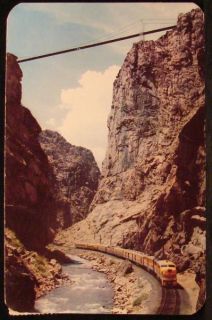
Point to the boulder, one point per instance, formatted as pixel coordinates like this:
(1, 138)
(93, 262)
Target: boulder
(57, 255)
(125, 267)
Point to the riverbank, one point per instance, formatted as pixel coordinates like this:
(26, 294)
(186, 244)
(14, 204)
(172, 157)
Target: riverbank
(134, 290)
(90, 292)
(131, 290)
(30, 274)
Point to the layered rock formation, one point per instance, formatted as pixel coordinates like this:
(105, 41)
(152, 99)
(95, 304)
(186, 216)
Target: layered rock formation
(76, 172)
(152, 194)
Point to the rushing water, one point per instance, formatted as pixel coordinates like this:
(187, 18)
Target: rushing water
(90, 292)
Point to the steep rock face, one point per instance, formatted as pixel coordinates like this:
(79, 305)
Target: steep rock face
(27, 274)
(152, 194)
(31, 203)
(29, 182)
(76, 172)
(19, 281)
(157, 110)
(156, 149)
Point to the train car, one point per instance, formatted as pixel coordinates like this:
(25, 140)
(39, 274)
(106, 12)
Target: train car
(139, 258)
(166, 272)
(119, 252)
(132, 256)
(110, 250)
(88, 246)
(81, 245)
(148, 263)
(100, 247)
(157, 269)
(127, 254)
(91, 246)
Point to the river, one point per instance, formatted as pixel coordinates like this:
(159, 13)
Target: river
(90, 293)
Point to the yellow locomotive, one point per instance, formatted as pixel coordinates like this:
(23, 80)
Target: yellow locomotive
(164, 270)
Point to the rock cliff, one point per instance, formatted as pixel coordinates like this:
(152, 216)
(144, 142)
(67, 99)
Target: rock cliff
(152, 194)
(27, 274)
(38, 195)
(76, 172)
(156, 114)
(30, 206)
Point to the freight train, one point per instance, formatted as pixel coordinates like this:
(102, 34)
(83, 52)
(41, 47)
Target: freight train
(164, 270)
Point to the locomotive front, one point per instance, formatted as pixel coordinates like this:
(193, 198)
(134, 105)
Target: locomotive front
(168, 273)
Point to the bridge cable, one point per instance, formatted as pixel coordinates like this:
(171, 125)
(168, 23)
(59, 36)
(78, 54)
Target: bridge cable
(95, 44)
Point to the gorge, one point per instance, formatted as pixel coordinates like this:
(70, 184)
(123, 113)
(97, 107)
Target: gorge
(151, 193)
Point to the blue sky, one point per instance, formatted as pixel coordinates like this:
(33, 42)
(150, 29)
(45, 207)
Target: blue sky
(72, 93)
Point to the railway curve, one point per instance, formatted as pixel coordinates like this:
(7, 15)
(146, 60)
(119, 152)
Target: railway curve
(170, 300)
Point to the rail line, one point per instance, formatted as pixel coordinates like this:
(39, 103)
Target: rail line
(163, 270)
(170, 302)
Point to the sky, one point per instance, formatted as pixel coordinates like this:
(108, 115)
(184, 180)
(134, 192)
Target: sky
(72, 93)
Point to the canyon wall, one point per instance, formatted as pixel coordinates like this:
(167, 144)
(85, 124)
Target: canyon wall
(30, 205)
(152, 194)
(28, 274)
(77, 174)
(157, 113)
(47, 188)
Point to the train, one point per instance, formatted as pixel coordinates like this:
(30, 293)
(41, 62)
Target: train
(164, 270)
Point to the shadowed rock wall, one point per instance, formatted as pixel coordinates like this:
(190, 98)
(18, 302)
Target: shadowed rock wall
(29, 182)
(30, 201)
(76, 171)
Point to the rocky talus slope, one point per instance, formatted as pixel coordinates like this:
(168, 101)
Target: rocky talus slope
(28, 275)
(76, 171)
(152, 194)
(31, 205)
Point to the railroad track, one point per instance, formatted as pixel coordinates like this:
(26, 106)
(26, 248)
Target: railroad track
(170, 302)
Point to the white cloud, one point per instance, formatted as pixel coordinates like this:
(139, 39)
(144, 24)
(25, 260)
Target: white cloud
(88, 107)
(50, 122)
